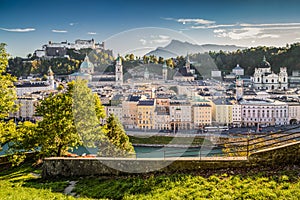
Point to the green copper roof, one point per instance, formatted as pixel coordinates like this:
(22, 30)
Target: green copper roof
(86, 63)
(164, 65)
(119, 59)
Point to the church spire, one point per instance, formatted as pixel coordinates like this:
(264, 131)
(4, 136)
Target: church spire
(119, 60)
(86, 58)
(187, 63)
(50, 72)
(187, 57)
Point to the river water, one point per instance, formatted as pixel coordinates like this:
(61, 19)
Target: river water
(152, 151)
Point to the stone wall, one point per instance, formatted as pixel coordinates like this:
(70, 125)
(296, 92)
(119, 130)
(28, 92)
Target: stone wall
(72, 167)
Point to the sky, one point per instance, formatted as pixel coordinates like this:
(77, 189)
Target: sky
(130, 25)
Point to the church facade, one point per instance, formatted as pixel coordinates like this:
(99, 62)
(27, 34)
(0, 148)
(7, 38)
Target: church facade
(87, 72)
(265, 79)
(185, 74)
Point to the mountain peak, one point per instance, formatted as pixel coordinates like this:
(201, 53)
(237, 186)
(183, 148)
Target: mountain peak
(179, 48)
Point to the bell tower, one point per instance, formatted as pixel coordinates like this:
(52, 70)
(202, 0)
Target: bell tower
(165, 71)
(51, 77)
(119, 71)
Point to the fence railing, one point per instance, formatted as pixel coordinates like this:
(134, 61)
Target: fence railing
(249, 145)
(240, 147)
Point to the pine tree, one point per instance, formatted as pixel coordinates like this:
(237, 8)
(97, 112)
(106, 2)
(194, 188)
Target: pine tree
(117, 143)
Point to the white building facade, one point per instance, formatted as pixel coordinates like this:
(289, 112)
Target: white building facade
(267, 112)
(180, 115)
(265, 79)
(236, 115)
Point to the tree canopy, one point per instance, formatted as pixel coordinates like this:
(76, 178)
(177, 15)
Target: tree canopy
(7, 98)
(70, 118)
(116, 142)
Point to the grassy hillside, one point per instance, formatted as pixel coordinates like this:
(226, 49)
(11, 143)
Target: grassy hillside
(259, 183)
(168, 140)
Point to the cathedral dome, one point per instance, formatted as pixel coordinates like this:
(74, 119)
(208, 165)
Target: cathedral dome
(264, 63)
(86, 63)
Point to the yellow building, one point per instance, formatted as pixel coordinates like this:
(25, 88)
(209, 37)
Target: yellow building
(202, 115)
(145, 114)
(222, 111)
(129, 109)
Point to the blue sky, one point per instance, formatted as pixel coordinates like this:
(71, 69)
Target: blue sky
(27, 25)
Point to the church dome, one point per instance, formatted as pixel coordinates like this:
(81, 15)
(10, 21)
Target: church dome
(119, 60)
(264, 63)
(86, 63)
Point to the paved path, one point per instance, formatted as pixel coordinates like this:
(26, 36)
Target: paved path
(68, 190)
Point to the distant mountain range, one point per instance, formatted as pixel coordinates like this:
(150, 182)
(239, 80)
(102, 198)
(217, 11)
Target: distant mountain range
(178, 48)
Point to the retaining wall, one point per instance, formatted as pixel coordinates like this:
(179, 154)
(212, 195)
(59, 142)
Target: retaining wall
(70, 167)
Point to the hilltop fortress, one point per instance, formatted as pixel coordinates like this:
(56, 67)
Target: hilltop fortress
(54, 49)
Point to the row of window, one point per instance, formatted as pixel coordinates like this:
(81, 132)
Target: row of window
(272, 81)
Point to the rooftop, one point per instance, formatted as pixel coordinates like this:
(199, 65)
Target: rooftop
(261, 102)
(222, 101)
(149, 102)
(32, 84)
(134, 98)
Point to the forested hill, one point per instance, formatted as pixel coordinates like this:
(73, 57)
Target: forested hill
(250, 58)
(60, 66)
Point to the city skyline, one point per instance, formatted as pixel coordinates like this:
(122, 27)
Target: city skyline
(28, 25)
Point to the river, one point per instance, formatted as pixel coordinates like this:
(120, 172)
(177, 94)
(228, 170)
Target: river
(151, 151)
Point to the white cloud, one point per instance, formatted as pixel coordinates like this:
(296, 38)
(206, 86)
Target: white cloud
(20, 30)
(73, 23)
(168, 18)
(195, 21)
(190, 20)
(143, 41)
(92, 33)
(159, 41)
(247, 33)
(270, 25)
(155, 39)
(243, 33)
(268, 36)
(219, 30)
(213, 26)
(59, 31)
(165, 37)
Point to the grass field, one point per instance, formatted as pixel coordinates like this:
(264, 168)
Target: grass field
(168, 140)
(283, 183)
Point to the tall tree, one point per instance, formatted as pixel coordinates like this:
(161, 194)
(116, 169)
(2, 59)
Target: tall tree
(70, 118)
(117, 142)
(87, 112)
(7, 98)
(131, 57)
(56, 131)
